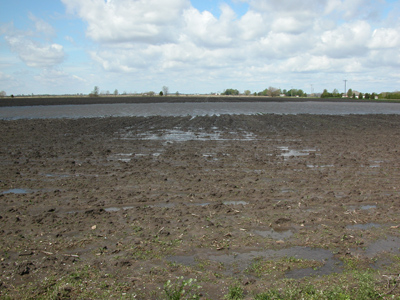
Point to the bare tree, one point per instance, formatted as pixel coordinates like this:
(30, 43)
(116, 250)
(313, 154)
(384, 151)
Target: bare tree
(273, 92)
(165, 90)
(3, 94)
(95, 92)
(116, 92)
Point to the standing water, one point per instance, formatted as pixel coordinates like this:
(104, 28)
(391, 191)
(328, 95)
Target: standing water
(195, 109)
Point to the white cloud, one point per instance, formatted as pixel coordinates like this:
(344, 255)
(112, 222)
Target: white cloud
(122, 21)
(34, 48)
(385, 38)
(5, 77)
(35, 54)
(69, 39)
(207, 30)
(350, 39)
(286, 6)
(291, 25)
(42, 26)
(252, 26)
(54, 77)
(167, 38)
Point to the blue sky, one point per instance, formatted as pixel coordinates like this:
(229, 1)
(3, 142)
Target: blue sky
(70, 46)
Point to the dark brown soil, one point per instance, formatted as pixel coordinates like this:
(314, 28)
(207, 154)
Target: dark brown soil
(125, 204)
(33, 101)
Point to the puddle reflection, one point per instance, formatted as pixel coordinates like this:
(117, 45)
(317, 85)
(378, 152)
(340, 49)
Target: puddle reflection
(286, 152)
(16, 191)
(172, 205)
(276, 235)
(178, 135)
(242, 261)
(363, 226)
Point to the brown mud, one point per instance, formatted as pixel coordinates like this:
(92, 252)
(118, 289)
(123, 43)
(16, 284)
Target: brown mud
(136, 201)
(77, 100)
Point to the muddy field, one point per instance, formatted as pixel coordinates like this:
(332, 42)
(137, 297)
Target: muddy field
(116, 207)
(76, 100)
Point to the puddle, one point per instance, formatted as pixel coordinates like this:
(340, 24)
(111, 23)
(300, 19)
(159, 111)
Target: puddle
(241, 261)
(177, 135)
(172, 205)
(391, 245)
(16, 191)
(286, 152)
(163, 205)
(378, 249)
(376, 164)
(211, 156)
(57, 175)
(275, 235)
(368, 207)
(363, 207)
(320, 166)
(363, 226)
(113, 209)
(235, 202)
(127, 157)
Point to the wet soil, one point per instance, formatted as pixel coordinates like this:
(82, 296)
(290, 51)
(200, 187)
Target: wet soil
(76, 100)
(138, 201)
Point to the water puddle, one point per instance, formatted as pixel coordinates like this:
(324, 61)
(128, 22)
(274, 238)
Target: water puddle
(177, 135)
(127, 157)
(235, 202)
(58, 175)
(368, 207)
(363, 226)
(362, 207)
(113, 209)
(376, 164)
(234, 261)
(286, 152)
(378, 251)
(320, 166)
(275, 235)
(172, 205)
(16, 191)
(390, 245)
(213, 156)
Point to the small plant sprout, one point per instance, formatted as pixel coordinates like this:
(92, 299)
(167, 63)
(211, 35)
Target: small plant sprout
(182, 289)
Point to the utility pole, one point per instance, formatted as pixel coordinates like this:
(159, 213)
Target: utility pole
(345, 82)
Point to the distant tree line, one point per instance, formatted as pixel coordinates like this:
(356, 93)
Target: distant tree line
(394, 95)
(231, 92)
(268, 92)
(358, 95)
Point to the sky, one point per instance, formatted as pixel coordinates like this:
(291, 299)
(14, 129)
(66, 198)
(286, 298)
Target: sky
(198, 46)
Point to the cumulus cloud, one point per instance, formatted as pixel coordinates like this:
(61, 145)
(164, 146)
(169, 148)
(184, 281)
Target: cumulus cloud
(350, 39)
(207, 30)
(35, 54)
(42, 26)
(56, 77)
(383, 38)
(120, 21)
(5, 77)
(272, 37)
(34, 47)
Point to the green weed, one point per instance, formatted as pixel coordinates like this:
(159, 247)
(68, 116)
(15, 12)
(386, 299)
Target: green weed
(182, 289)
(235, 293)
